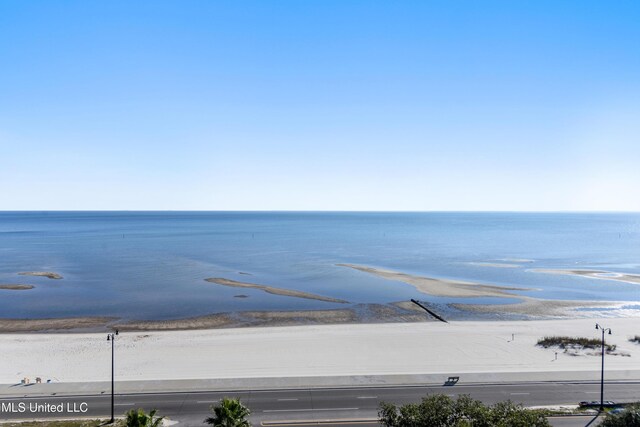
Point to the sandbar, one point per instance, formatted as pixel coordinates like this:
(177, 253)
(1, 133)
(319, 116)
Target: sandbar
(536, 308)
(516, 260)
(16, 287)
(593, 274)
(244, 319)
(358, 313)
(301, 317)
(54, 324)
(273, 290)
(494, 264)
(212, 321)
(47, 274)
(439, 287)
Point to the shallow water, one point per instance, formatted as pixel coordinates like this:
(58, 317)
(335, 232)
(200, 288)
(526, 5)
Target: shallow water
(152, 265)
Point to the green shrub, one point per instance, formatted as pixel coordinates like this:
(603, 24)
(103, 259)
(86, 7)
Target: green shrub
(439, 410)
(630, 417)
(138, 418)
(229, 413)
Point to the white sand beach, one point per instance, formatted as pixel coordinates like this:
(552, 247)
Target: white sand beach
(323, 350)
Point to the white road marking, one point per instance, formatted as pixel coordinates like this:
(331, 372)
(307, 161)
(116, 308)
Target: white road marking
(367, 397)
(124, 404)
(287, 400)
(286, 423)
(207, 401)
(513, 394)
(310, 409)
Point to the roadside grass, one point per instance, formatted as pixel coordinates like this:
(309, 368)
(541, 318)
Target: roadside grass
(574, 343)
(63, 423)
(586, 410)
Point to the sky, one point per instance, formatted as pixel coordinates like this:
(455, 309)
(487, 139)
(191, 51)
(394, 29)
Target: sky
(320, 105)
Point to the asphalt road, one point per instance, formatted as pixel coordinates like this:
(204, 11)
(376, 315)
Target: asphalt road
(315, 407)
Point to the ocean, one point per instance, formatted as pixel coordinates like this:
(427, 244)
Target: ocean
(152, 265)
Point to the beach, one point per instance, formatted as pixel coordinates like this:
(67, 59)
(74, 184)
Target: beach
(315, 351)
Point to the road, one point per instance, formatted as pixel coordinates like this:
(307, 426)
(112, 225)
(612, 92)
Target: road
(311, 407)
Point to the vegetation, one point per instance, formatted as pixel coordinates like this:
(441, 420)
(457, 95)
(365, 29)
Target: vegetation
(138, 418)
(134, 418)
(229, 413)
(574, 342)
(63, 423)
(439, 410)
(629, 417)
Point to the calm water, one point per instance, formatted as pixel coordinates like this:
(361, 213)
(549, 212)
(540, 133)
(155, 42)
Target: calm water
(143, 265)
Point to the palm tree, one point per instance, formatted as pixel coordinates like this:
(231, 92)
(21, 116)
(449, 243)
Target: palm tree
(229, 413)
(137, 418)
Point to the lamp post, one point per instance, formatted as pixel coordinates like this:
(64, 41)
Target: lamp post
(602, 371)
(112, 337)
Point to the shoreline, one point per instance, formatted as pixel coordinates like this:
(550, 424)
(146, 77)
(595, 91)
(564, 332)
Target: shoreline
(358, 314)
(527, 310)
(55, 325)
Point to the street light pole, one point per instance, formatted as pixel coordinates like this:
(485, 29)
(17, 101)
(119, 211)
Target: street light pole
(112, 337)
(602, 370)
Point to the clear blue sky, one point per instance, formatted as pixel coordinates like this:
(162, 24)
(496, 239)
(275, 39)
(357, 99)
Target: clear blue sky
(320, 105)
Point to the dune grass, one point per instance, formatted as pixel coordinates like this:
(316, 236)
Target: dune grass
(574, 343)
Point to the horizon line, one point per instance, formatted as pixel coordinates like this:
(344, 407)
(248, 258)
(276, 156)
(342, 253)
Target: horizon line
(318, 211)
